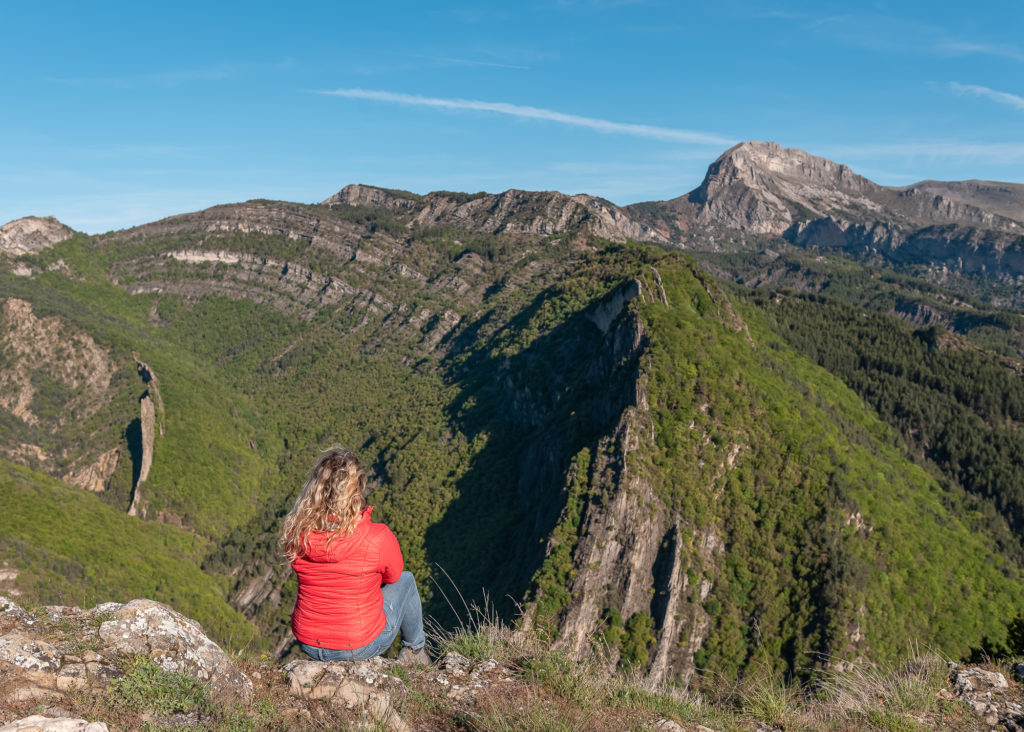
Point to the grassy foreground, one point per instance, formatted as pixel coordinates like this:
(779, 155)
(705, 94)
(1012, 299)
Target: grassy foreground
(526, 685)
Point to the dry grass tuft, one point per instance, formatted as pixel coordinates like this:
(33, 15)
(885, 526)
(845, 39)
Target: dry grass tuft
(895, 698)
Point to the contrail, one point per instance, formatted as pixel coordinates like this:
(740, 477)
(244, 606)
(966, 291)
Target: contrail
(1011, 100)
(517, 110)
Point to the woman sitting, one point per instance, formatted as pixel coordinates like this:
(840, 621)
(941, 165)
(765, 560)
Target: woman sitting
(353, 595)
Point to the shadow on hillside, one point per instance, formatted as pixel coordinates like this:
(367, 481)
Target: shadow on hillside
(133, 436)
(538, 407)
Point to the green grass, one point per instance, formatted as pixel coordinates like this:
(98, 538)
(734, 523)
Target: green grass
(71, 548)
(146, 688)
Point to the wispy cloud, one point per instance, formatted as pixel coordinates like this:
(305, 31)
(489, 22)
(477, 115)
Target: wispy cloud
(985, 49)
(993, 152)
(471, 62)
(830, 20)
(1010, 100)
(666, 134)
(161, 78)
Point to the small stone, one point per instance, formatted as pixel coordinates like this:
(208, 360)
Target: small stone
(22, 650)
(67, 683)
(667, 725)
(1018, 671)
(455, 663)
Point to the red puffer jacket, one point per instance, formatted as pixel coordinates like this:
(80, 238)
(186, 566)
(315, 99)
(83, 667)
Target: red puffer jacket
(339, 604)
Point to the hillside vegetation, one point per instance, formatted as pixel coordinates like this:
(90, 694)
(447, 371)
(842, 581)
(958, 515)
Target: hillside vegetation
(690, 476)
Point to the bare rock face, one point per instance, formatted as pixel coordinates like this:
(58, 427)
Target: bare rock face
(32, 234)
(148, 419)
(42, 657)
(360, 195)
(758, 187)
(764, 188)
(51, 346)
(538, 213)
(94, 476)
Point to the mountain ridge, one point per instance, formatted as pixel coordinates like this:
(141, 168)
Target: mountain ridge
(648, 442)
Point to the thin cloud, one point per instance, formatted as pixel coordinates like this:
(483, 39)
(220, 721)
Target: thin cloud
(516, 110)
(1010, 100)
(986, 49)
(470, 62)
(996, 152)
(162, 78)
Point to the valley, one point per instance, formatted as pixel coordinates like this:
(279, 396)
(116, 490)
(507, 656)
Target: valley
(775, 422)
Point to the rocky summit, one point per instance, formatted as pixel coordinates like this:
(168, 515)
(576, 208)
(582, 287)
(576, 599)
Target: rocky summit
(31, 234)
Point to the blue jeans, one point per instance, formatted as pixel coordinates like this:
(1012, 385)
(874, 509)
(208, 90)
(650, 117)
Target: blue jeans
(402, 611)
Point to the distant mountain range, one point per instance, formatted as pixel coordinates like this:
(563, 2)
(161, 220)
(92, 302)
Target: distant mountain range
(774, 421)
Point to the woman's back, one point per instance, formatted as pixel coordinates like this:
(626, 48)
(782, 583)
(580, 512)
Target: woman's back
(339, 602)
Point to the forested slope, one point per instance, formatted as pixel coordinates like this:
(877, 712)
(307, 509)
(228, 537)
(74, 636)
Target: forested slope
(695, 477)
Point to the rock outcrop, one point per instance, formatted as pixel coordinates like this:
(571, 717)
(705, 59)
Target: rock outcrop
(85, 645)
(51, 348)
(175, 642)
(989, 696)
(93, 476)
(760, 186)
(536, 213)
(32, 234)
(764, 188)
(362, 195)
(66, 649)
(60, 655)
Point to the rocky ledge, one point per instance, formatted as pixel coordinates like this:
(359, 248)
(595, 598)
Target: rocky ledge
(142, 665)
(58, 659)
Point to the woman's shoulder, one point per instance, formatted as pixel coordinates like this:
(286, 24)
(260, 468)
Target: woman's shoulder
(373, 528)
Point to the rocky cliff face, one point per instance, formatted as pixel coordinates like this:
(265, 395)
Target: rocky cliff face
(31, 234)
(49, 351)
(764, 188)
(54, 375)
(546, 213)
(761, 189)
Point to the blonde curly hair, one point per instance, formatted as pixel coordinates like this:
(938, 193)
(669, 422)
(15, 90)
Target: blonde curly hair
(331, 500)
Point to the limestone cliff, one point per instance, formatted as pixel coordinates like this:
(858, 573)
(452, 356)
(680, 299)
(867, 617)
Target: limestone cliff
(66, 356)
(764, 188)
(32, 234)
(94, 476)
(543, 213)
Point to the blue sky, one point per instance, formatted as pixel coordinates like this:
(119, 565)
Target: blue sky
(114, 114)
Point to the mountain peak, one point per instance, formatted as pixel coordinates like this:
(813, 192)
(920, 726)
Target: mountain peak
(357, 194)
(32, 234)
(760, 186)
(771, 159)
